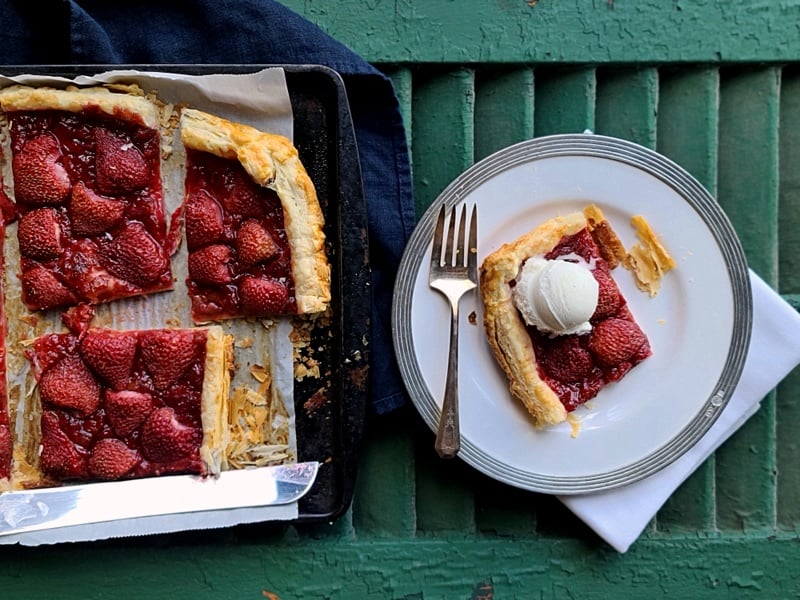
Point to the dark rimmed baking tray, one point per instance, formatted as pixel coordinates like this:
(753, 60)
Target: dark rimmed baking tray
(329, 411)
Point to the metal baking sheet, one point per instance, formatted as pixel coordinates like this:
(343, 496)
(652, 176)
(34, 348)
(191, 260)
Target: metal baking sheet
(330, 409)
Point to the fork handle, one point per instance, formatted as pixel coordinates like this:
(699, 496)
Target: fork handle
(448, 435)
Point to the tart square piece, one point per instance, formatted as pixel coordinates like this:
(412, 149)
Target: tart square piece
(556, 320)
(254, 227)
(87, 187)
(125, 404)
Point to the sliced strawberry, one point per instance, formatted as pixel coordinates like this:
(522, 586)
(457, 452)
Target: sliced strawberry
(69, 384)
(609, 300)
(59, 458)
(6, 451)
(110, 354)
(254, 244)
(39, 177)
(112, 458)
(211, 265)
(39, 234)
(121, 167)
(8, 212)
(566, 361)
(92, 214)
(204, 223)
(165, 439)
(166, 354)
(127, 410)
(77, 319)
(41, 289)
(135, 256)
(244, 199)
(614, 341)
(262, 297)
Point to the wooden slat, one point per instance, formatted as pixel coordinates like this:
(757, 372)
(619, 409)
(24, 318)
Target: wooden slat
(687, 133)
(384, 500)
(748, 190)
(503, 109)
(644, 31)
(626, 104)
(504, 100)
(787, 405)
(564, 100)
(789, 199)
(442, 131)
(209, 566)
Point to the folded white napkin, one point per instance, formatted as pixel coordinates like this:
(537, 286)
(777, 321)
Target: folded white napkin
(619, 516)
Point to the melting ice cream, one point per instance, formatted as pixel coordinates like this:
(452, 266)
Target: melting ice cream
(557, 296)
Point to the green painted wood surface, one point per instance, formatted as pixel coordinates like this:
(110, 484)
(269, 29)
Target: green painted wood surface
(687, 133)
(558, 31)
(714, 86)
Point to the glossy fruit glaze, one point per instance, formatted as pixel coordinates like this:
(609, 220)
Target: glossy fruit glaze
(240, 262)
(577, 367)
(90, 206)
(118, 405)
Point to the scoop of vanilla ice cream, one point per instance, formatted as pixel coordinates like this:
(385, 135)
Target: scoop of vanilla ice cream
(556, 296)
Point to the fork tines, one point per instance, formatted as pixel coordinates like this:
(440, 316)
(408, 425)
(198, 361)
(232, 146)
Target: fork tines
(458, 251)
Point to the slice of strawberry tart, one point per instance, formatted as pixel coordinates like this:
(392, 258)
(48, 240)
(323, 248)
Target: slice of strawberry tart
(556, 321)
(254, 226)
(124, 404)
(88, 193)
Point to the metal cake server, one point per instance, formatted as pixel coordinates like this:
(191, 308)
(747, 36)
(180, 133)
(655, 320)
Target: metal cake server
(48, 508)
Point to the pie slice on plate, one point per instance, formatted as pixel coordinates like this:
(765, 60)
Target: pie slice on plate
(124, 404)
(254, 227)
(88, 192)
(555, 318)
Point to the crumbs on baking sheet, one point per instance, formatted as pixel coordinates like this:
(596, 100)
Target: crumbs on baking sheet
(305, 364)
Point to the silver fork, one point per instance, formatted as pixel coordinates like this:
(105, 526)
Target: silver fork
(453, 273)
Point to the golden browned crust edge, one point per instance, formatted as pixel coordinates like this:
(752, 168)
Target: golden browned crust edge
(648, 260)
(124, 106)
(611, 247)
(214, 399)
(505, 330)
(272, 161)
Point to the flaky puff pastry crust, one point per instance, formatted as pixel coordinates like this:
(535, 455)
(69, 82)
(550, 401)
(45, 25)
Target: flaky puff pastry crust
(505, 329)
(272, 161)
(214, 399)
(123, 106)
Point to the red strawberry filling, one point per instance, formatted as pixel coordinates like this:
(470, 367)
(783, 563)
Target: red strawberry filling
(119, 404)
(577, 367)
(239, 256)
(88, 193)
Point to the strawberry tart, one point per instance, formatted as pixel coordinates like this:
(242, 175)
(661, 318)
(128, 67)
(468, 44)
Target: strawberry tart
(254, 227)
(556, 320)
(123, 404)
(88, 194)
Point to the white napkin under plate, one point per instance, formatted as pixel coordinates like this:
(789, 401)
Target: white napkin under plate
(619, 516)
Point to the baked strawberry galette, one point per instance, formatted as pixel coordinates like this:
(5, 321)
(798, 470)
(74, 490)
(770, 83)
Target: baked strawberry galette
(253, 223)
(122, 404)
(88, 193)
(555, 319)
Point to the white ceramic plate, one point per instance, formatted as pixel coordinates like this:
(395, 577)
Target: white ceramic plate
(698, 324)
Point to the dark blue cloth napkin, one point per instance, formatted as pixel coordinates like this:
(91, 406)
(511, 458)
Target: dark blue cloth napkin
(246, 32)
